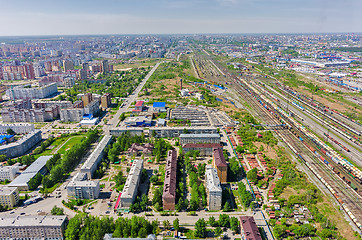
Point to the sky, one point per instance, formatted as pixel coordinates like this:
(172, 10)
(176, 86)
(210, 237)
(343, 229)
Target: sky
(76, 17)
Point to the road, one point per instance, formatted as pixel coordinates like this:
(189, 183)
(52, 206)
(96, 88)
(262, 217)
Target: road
(128, 101)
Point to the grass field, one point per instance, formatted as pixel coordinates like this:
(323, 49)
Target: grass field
(70, 143)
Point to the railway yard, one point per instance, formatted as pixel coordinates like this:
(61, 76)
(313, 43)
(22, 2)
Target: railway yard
(304, 125)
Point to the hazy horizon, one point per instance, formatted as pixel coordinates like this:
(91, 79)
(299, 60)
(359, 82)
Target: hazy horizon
(118, 17)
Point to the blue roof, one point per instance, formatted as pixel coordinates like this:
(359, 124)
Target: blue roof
(5, 136)
(159, 104)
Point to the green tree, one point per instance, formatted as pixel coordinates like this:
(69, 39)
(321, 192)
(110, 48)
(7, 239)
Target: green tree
(176, 224)
(57, 211)
(234, 224)
(166, 224)
(10, 131)
(224, 220)
(218, 231)
(227, 207)
(200, 228)
(212, 221)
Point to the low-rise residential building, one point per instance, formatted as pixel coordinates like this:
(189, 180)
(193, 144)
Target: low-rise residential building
(169, 188)
(33, 227)
(213, 188)
(138, 107)
(8, 172)
(220, 164)
(108, 236)
(91, 164)
(145, 149)
(249, 229)
(21, 146)
(206, 149)
(21, 181)
(199, 138)
(130, 189)
(9, 196)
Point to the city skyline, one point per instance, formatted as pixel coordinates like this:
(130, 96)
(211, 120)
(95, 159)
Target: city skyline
(40, 17)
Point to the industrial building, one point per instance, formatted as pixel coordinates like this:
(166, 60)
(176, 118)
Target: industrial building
(91, 164)
(118, 131)
(138, 121)
(220, 164)
(169, 187)
(205, 149)
(33, 227)
(27, 92)
(8, 172)
(18, 128)
(199, 138)
(130, 189)
(21, 181)
(9, 196)
(196, 116)
(249, 229)
(82, 188)
(21, 146)
(171, 132)
(213, 187)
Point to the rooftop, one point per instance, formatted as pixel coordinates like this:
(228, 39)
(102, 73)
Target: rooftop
(213, 135)
(30, 172)
(132, 179)
(169, 188)
(219, 158)
(202, 145)
(159, 104)
(139, 103)
(251, 231)
(23, 221)
(212, 180)
(97, 151)
(4, 190)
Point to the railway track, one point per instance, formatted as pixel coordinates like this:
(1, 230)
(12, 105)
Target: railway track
(350, 200)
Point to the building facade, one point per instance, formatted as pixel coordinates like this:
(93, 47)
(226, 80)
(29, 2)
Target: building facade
(206, 149)
(213, 187)
(8, 172)
(33, 227)
(71, 114)
(19, 128)
(199, 138)
(106, 100)
(169, 187)
(9, 196)
(26, 92)
(21, 146)
(130, 189)
(171, 132)
(220, 164)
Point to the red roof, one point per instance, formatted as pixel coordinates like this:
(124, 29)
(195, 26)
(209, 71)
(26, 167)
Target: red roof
(219, 158)
(169, 188)
(139, 104)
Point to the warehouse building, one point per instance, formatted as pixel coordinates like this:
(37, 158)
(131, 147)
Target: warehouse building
(213, 188)
(23, 179)
(33, 227)
(9, 196)
(199, 138)
(130, 189)
(159, 107)
(169, 188)
(91, 164)
(220, 164)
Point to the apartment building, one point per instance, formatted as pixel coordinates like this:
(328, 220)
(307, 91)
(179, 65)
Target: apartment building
(199, 138)
(130, 189)
(106, 100)
(21, 146)
(28, 92)
(9, 196)
(249, 229)
(213, 187)
(82, 188)
(8, 172)
(220, 164)
(205, 149)
(71, 114)
(91, 164)
(169, 187)
(18, 128)
(30, 115)
(33, 227)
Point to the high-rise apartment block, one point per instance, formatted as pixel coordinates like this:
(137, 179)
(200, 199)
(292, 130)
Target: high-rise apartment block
(87, 98)
(68, 65)
(28, 92)
(106, 100)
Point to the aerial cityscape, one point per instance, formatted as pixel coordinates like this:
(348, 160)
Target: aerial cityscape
(120, 124)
